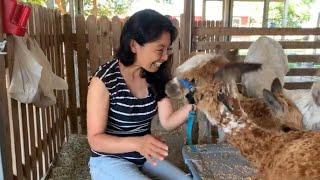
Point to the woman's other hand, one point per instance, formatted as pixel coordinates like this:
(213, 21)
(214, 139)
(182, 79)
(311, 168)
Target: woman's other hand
(152, 148)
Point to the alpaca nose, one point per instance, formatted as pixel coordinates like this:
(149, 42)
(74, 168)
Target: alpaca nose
(172, 89)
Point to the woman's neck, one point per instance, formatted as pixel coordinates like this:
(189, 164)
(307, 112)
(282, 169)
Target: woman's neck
(130, 72)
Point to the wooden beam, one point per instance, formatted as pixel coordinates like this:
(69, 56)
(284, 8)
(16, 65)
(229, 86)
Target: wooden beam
(254, 31)
(298, 85)
(265, 13)
(204, 6)
(285, 13)
(302, 72)
(245, 45)
(298, 58)
(188, 24)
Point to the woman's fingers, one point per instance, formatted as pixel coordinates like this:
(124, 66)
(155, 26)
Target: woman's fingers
(160, 144)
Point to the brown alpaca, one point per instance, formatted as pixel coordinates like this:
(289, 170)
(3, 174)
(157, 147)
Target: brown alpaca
(200, 68)
(276, 155)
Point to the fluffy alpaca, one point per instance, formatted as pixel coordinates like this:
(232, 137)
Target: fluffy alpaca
(274, 62)
(275, 65)
(200, 68)
(276, 155)
(308, 102)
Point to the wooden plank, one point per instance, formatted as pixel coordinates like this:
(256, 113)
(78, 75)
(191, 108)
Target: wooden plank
(39, 141)
(106, 39)
(5, 142)
(116, 28)
(63, 106)
(302, 72)
(93, 41)
(187, 23)
(298, 58)
(304, 58)
(243, 31)
(82, 69)
(25, 133)
(43, 41)
(52, 129)
(265, 13)
(183, 47)
(32, 142)
(175, 47)
(298, 85)
(33, 153)
(47, 110)
(51, 108)
(245, 45)
(59, 61)
(70, 72)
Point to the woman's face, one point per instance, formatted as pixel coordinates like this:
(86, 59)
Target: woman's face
(151, 55)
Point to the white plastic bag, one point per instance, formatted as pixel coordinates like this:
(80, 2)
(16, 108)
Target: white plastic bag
(49, 81)
(32, 78)
(26, 73)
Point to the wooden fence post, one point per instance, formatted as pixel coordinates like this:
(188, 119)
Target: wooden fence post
(70, 73)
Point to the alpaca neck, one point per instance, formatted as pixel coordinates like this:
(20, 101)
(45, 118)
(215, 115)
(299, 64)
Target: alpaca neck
(253, 142)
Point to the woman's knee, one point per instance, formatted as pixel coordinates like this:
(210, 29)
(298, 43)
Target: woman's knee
(114, 168)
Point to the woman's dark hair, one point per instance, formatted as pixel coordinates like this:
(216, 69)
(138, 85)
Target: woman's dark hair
(144, 27)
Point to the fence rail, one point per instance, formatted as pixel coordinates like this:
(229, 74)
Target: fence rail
(204, 33)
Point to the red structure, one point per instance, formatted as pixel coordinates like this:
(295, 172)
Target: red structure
(14, 17)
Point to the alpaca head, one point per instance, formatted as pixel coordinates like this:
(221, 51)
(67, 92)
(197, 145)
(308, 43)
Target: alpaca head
(210, 79)
(282, 109)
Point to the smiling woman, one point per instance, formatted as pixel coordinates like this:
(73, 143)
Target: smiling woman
(123, 97)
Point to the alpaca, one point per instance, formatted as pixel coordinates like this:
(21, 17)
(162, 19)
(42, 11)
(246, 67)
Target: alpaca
(198, 68)
(308, 102)
(274, 62)
(276, 155)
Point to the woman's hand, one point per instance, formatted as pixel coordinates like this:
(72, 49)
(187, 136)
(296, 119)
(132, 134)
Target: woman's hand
(152, 148)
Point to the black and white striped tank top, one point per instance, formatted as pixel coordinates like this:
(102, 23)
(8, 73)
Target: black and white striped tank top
(128, 115)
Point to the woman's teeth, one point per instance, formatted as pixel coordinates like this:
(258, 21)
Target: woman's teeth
(157, 64)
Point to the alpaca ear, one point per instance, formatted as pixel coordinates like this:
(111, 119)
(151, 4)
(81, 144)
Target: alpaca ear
(276, 86)
(272, 101)
(234, 70)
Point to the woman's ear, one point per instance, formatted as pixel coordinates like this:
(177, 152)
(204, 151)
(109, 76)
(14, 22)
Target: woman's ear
(133, 46)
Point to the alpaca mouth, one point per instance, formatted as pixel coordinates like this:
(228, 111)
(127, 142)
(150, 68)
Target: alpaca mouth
(191, 90)
(222, 97)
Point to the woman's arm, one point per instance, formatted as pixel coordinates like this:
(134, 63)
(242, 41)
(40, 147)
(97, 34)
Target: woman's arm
(97, 113)
(169, 118)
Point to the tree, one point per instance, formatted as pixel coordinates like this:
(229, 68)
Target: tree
(106, 7)
(298, 13)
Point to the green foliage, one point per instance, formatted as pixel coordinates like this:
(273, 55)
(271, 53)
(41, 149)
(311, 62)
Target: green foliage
(38, 2)
(298, 13)
(107, 7)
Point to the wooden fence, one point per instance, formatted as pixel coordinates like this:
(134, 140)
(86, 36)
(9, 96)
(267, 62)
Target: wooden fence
(31, 136)
(208, 35)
